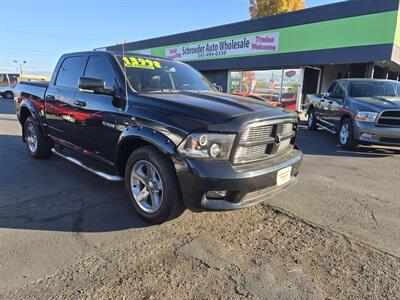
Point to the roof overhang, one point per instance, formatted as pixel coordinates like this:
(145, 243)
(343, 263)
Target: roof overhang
(347, 32)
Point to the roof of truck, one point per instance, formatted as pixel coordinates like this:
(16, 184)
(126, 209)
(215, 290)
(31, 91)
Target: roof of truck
(115, 53)
(365, 79)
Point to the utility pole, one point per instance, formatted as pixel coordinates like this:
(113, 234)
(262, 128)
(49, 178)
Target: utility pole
(19, 63)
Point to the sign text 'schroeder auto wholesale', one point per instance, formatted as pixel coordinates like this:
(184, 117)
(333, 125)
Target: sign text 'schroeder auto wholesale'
(226, 47)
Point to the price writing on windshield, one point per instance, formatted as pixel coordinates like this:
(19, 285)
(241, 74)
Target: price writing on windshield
(142, 63)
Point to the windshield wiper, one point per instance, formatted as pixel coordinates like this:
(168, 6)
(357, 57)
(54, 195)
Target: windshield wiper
(158, 91)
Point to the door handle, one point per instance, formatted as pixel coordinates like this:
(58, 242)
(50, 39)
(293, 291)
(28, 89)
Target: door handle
(322, 100)
(50, 98)
(79, 103)
(330, 102)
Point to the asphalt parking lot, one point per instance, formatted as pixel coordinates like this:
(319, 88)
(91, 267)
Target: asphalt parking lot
(54, 217)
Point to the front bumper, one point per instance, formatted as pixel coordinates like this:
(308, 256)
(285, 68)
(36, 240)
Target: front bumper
(246, 185)
(369, 133)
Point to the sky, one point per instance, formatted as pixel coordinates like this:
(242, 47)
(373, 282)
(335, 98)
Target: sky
(40, 31)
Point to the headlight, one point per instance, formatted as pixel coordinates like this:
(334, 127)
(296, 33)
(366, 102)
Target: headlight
(366, 116)
(207, 145)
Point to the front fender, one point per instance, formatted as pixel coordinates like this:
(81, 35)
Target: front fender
(148, 135)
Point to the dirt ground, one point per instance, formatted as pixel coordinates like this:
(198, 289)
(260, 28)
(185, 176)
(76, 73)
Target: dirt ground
(77, 237)
(257, 253)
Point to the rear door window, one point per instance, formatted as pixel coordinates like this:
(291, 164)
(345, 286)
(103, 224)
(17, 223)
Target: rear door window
(69, 72)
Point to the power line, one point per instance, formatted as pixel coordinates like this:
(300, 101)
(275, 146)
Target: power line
(24, 50)
(50, 35)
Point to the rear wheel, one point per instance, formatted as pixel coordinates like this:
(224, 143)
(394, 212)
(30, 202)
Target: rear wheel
(151, 184)
(312, 120)
(37, 144)
(8, 95)
(346, 135)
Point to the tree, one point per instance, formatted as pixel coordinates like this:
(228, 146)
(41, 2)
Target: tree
(263, 8)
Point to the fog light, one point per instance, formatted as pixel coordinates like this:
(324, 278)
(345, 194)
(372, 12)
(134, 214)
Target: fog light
(216, 194)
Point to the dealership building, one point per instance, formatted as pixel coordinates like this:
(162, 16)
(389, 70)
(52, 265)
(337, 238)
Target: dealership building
(290, 56)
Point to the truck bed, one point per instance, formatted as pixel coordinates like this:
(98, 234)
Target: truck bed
(37, 89)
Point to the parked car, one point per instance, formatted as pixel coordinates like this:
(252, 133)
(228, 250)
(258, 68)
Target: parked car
(7, 91)
(359, 111)
(164, 129)
(260, 98)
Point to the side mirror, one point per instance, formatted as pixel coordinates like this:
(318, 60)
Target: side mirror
(94, 85)
(219, 88)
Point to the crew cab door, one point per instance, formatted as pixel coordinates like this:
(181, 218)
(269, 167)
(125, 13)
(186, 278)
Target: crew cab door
(60, 96)
(101, 117)
(335, 104)
(329, 105)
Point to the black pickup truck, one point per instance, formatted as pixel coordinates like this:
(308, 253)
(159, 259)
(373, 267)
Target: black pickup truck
(359, 111)
(164, 129)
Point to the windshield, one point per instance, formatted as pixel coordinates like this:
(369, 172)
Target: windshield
(374, 89)
(148, 75)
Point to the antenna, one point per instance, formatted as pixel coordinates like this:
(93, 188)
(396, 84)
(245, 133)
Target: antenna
(123, 55)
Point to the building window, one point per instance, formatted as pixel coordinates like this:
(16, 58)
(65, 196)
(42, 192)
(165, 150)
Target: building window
(274, 85)
(290, 85)
(235, 81)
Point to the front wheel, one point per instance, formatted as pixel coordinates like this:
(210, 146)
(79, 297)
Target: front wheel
(346, 135)
(152, 186)
(37, 144)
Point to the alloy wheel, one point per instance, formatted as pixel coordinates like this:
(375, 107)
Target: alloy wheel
(31, 137)
(8, 95)
(344, 134)
(146, 186)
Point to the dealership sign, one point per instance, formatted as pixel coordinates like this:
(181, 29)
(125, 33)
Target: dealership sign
(290, 73)
(244, 45)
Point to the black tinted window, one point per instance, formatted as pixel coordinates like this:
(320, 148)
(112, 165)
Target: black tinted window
(98, 67)
(340, 90)
(69, 72)
(331, 87)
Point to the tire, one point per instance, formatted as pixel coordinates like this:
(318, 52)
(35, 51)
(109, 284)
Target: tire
(346, 135)
(37, 144)
(8, 95)
(153, 188)
(312, 120)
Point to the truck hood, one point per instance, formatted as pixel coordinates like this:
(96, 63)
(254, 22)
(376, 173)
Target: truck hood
(212, 110)
(376, 104)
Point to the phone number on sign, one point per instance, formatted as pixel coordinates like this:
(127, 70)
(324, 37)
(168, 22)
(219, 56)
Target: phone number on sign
(214, 53)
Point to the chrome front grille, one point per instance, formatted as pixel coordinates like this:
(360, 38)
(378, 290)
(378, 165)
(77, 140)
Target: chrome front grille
(390, 118)
(249, 152)
(254, 134)
(287, 128)
(264, 141)
(283, 145)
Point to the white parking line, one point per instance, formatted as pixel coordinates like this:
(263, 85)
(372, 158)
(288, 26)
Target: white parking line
(366, 153)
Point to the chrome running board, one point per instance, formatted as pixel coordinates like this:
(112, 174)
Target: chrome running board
(106, 176)
(326, 128)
